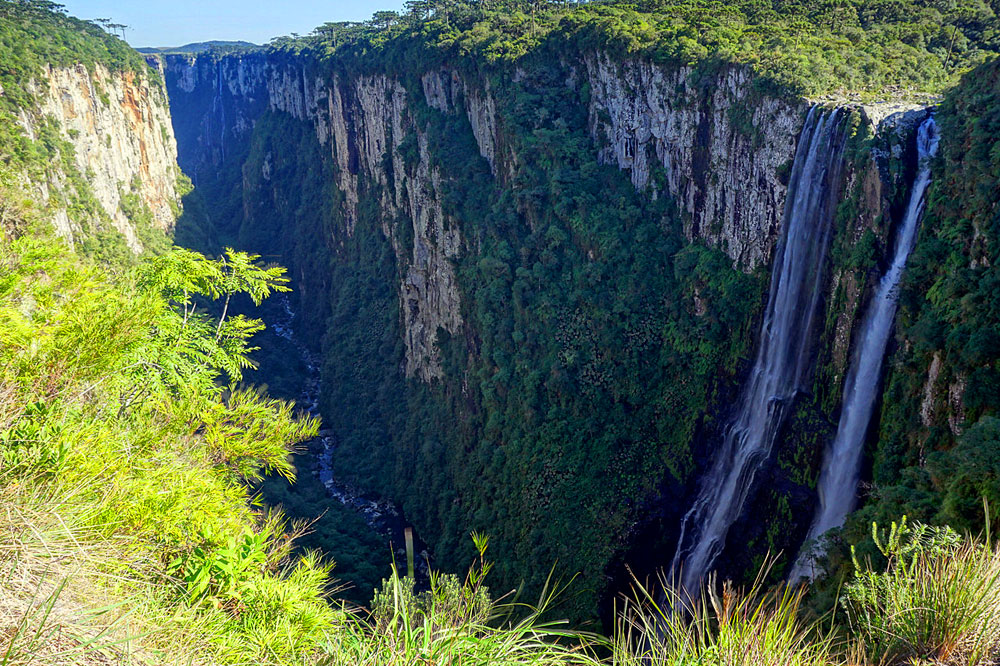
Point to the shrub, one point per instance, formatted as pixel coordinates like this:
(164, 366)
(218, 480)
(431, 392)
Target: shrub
(456, 624)
(937, 598)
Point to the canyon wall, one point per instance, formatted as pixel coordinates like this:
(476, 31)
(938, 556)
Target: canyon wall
(118, 127)
(719, 149)
(459, 239)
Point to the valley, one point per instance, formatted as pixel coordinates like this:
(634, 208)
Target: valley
(643, 297)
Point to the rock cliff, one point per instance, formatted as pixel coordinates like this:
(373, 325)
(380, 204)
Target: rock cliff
(118, 126)
(719, 149)
(363, 123)
(526, 321)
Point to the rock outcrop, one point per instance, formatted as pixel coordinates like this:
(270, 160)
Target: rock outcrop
(363, 122)
(720, 149)
(118, 124)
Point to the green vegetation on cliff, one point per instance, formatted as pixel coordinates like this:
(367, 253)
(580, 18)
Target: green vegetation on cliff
(939, 443)
(880, 47)
(584, 370)
(128, 446)
(592, 373)
(35, 36)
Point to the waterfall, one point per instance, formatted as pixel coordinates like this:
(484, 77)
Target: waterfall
(222, 110)
(839, 478)
(783, 358)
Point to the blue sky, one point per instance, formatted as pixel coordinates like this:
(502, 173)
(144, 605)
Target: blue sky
(177, 22)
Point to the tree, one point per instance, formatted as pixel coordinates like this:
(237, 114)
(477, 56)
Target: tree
(189, 349)
(385, 19)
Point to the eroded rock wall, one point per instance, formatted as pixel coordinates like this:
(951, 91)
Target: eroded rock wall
(363, 122)
(721, 151)
(123, 142)
(719, 148)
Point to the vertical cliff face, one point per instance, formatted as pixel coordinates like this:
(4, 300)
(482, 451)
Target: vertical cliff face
(362, 123)
(376, 146)
(118, 126)
(719, 148)
(719, 154)
(229, 93)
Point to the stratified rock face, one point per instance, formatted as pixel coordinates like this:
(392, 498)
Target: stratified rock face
(368, 121)
(230, 94)
(721, 148)
(364, 122)
(717, 147)
(123, 140)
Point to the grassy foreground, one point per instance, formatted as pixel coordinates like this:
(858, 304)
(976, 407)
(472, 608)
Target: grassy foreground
(128, 534)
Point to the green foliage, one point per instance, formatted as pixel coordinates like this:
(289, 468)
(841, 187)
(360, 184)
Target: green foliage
(883, 47)
(221, 572)
(448, 603)
(113, 413)
(968, 474)
(249, 432)
(456, 623)
(754, 627)
(199, 346)
(935, 600)
(936, 454)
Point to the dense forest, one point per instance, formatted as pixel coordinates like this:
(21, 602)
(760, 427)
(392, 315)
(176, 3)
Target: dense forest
(805, 48)
(587, 340)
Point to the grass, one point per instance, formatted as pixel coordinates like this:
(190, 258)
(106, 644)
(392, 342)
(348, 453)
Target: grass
(65, 597)
(127, 534)
(720, 625)
(937, 599)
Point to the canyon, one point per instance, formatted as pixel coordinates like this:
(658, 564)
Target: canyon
(714, 155)
(618, 304)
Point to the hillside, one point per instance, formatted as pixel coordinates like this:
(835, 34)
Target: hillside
(198, 47)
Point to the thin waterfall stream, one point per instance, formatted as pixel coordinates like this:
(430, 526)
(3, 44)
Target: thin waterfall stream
(839, 479)
(782, 363)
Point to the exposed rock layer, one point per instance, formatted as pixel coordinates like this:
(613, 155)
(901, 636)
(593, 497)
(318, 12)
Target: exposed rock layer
(119, 126)
(719, 149)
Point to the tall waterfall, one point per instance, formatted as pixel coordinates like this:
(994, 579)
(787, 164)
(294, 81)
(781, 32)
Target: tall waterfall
(782, 363)
(220, 104)
(839, 478)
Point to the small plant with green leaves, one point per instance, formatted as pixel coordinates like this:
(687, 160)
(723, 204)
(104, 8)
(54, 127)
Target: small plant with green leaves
(456, 623)
(117, 421)
(936, 599)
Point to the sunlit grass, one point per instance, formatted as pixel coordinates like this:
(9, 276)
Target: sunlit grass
(937, 600)
(719, 624)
